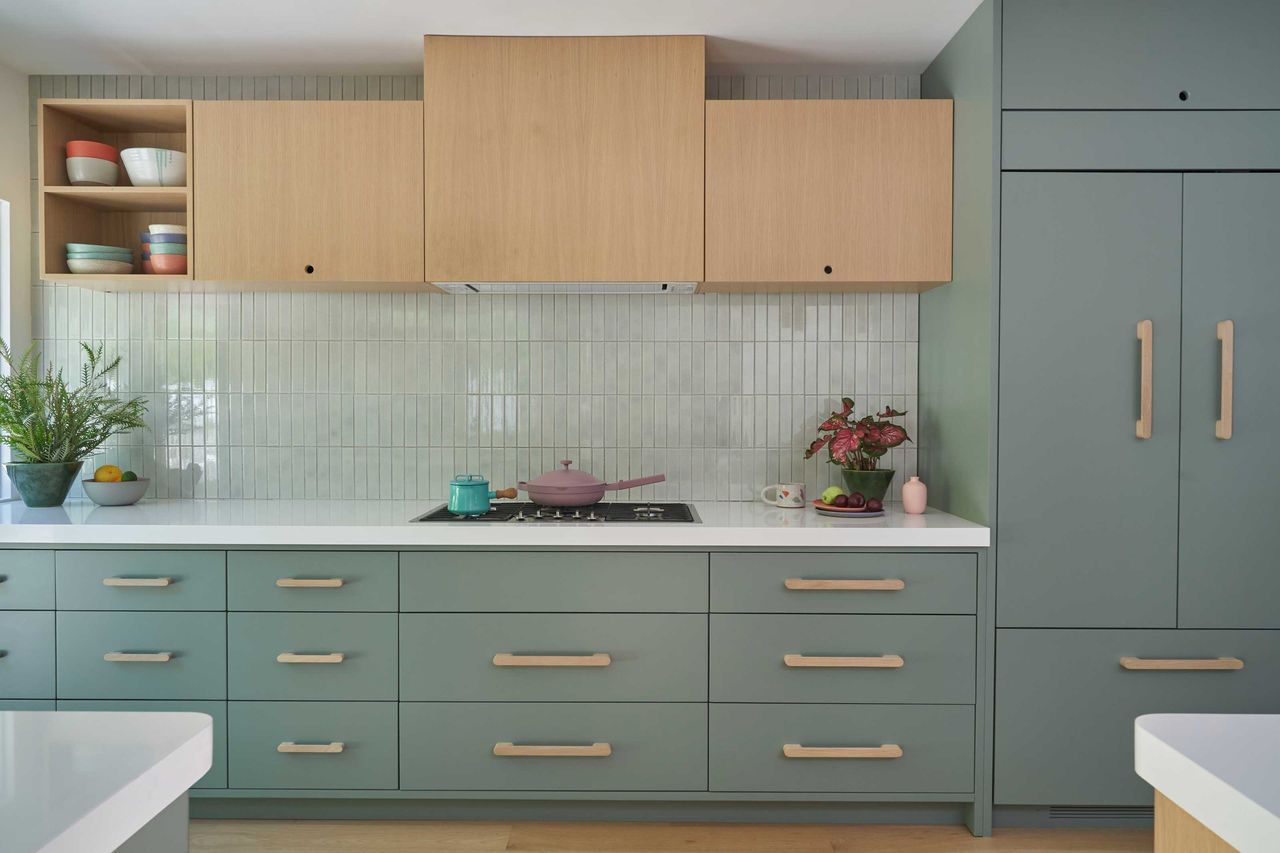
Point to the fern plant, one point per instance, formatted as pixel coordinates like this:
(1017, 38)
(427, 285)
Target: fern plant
(46, 420)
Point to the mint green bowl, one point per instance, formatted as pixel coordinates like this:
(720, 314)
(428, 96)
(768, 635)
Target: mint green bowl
(94, 247)
(101, 256)
(168, 248)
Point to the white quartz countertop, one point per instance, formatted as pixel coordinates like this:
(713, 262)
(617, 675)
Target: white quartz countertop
(86, 781)
(230, 523)
(1222, 769)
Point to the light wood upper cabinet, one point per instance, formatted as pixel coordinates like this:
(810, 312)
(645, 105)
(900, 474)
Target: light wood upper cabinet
(564, 159)
(309, 191)
(829, 195)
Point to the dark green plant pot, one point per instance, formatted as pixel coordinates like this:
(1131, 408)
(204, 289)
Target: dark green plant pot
(872, 484)
(43, 483)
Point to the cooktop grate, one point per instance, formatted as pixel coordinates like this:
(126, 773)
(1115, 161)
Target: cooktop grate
(523, 512)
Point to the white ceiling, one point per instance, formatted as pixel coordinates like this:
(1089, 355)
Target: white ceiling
(384, 36)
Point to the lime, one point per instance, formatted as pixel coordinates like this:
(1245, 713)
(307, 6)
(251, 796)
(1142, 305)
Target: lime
(128, 477)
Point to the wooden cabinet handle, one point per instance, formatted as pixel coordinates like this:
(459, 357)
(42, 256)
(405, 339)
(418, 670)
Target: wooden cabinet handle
(597, 659)
(137, 581)
(310, 583)
(1181, 663)
(868, 585)
(886, 750)
(877, 662)
(332, 748)
(513, 750)
(1146, 334)
(290, 657)
(138, 657)
(1226, 334)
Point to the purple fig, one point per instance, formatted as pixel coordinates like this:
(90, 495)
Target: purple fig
(874, 505)
(857, 500)
(841, 500)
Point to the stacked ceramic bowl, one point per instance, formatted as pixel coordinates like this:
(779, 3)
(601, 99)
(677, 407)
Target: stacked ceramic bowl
(155, 167)
(164, 250)
(93, 259)
(92, 164)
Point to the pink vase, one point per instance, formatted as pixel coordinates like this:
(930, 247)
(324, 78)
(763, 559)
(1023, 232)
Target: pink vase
(915, 496)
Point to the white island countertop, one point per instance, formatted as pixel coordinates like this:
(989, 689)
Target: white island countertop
(388, 524)
(87, 781)
(1222, 769)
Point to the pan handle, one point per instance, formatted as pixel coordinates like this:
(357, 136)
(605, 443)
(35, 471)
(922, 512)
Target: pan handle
(631, 484)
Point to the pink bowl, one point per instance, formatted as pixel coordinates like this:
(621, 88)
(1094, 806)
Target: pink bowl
(169, 264)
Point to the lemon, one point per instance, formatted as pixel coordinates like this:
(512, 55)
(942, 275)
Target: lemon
(107, 474)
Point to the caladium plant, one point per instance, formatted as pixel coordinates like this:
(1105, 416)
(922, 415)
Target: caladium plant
(858, 444)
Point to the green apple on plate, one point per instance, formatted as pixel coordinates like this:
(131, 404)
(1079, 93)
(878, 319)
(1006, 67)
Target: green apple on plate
(831, 493)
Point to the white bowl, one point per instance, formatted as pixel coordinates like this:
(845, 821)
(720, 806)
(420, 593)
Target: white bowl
(167, 229)
(92, 172)
(116, 494)
(155, 167)
(99, 267)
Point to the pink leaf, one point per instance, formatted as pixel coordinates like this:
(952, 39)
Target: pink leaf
(891, 435)
(816, 446)
(843, 443)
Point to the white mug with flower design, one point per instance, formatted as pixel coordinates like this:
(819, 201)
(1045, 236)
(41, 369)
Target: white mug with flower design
(786, 495)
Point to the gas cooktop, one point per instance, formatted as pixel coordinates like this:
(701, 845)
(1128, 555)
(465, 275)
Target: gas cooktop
(524, 512)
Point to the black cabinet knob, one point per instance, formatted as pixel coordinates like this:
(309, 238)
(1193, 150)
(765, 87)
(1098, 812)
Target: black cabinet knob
(827, 269)
(1182, 96)
(310, 269)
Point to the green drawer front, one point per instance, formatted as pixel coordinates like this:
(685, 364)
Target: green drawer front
(747, 658)
(365, 730)
(1065, 707)
(553, 582)
(26, 704)
(197, 580)
(653, 657)
(197, 641)
(217, 775)
(758, 583)
(26, 655)
(936, 741)
(369, 580)
(26, 580)
(367, 642)
(655, 747)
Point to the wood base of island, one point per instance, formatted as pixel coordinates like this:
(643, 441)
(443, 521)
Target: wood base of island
(1178, 832)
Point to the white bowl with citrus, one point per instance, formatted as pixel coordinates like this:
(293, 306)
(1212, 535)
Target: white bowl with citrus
(113, 486)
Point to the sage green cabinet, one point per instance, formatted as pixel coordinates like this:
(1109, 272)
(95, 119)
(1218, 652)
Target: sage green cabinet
(185, 655)
(1229, 538)
(27, 704)
(141, 580)
(26, 580)
(325, 656)
(309, 580)
(1088, 510)
(26, 654)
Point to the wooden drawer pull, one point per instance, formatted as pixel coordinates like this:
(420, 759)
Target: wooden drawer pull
(869, 585)
(1226, 382)
(1146, 335)
(887, 750)
(314, 748)
(137, 581)
(877, 662)
(310, 583)
(290, 657)
(512, 750)
(138, 657)
(1181, 663)
(598, 659)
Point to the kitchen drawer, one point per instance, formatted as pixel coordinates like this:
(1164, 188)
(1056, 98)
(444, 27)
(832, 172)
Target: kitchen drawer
(26, 580)
(141, 580)
(359, 739)
(844, 583)
(749, 746)
(312, 580)
(553, 582)
(26, 654)
(893, 658)
(27, 704)
(365, 642)
(217, 775)
(197, 643)
(1065, 706)
(650, 657)
(450, 746)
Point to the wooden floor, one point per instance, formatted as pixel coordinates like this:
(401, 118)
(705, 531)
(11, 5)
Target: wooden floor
(246, 836)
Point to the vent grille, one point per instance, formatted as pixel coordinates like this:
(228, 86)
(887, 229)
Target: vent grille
(1093, 813)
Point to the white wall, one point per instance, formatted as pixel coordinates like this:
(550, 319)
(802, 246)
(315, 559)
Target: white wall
(15, 188)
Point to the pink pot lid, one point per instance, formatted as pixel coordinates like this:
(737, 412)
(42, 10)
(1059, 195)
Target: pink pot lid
(568, 480)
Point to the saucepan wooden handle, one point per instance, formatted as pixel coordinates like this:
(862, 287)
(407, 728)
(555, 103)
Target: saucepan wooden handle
(509, 494)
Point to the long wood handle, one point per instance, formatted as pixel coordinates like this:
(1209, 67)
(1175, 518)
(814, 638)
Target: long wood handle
(877, 662)
(867, 585)
(137, 581)
(310, 583)
(886, 750)
(138, 657)
(509, 494)
(597, 659)
(290, 657)
(1146, 334)
(1181, 663)
(316, 748)
(513, 750)
(1226, 385)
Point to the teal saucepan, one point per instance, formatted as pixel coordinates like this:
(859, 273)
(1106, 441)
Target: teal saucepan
(469, 494)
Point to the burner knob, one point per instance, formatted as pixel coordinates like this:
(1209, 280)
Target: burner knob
(577, 514)
(559, 514)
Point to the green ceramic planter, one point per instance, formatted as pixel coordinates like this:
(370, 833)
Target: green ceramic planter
(43, 483)
(872, 484)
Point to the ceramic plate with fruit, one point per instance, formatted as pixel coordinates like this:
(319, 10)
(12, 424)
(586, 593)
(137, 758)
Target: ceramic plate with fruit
(111, 486)
(835, 501)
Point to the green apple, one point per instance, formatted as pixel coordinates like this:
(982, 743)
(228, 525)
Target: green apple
(831, 493)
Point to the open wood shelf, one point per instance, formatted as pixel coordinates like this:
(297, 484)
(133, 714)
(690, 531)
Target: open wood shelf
(159, 199)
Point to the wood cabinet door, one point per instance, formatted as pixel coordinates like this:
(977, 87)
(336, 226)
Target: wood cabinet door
(564, 159)
(308, 191)
(828, 191)
(1088, 511)
(1229, 536)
